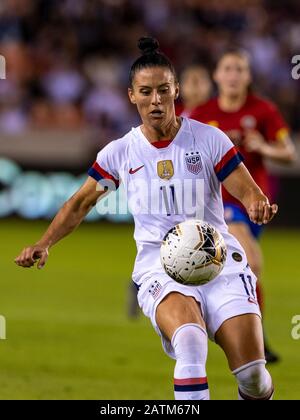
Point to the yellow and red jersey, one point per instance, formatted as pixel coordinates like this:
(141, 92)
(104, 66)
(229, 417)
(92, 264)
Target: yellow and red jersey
(256, 114)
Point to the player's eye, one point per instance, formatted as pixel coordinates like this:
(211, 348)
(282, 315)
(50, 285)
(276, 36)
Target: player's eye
(145, 92)
(164, 89)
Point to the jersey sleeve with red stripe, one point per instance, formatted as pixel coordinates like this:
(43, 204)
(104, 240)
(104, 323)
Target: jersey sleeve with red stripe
(104, 168)
(226, 157)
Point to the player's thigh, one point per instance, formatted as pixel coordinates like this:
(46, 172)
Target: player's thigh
(176, 310)
(241, 338)
(251, 246)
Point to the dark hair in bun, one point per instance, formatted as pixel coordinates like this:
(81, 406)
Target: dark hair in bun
(151, 57)
(148, 45)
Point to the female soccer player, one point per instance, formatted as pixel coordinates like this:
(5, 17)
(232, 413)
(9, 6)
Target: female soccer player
(258, 131)
(172, 169)
(195, 90)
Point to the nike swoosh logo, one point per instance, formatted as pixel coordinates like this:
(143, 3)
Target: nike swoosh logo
(133, 171)
(252, 301)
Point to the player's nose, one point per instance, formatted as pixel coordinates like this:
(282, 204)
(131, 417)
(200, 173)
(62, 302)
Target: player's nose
(156, 100)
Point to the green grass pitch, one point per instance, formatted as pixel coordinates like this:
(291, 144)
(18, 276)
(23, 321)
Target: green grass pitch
(68, 336)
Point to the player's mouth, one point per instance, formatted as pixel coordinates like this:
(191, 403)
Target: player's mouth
(233, 85)
(156, 113)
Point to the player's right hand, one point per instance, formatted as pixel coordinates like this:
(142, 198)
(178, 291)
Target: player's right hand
(30, 255)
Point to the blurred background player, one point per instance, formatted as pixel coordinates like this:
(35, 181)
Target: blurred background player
(195, 89)
(257, 128)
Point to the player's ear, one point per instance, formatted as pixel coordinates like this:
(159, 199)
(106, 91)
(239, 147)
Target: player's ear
(131, 96)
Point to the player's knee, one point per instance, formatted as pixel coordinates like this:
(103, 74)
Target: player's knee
(190, 344)
(254, 381)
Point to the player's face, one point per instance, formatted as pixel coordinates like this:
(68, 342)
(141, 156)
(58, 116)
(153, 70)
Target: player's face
(154, 91)
(233, 75)
(195, 85)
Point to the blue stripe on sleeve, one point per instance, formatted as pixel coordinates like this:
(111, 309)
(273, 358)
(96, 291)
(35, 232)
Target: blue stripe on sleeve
(230, 167)
(94, 174)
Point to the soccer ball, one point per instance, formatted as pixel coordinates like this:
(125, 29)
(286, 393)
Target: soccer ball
(193, 253)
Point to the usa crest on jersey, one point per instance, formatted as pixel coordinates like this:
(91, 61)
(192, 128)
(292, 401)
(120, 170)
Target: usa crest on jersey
(193, 162)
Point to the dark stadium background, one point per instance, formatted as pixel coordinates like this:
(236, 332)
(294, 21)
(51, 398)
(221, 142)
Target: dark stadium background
(64, 97)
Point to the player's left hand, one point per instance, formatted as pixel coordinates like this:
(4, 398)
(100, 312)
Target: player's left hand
(254, 142)
(262, 212)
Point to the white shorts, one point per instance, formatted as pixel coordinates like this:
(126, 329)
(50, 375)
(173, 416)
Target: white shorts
(225, 297)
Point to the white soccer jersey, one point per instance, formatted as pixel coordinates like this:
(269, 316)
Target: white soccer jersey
(169, 182)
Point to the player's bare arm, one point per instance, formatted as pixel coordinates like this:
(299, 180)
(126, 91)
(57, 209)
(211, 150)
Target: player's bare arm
(241, 185)
(65, 222)
(282, 151)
